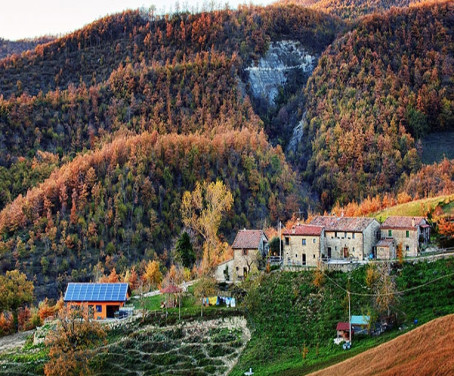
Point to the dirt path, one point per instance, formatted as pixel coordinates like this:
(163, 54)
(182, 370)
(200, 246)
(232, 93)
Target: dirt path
(8, 343)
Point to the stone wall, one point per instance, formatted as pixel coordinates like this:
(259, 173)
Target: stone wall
(294, 251)
(340, 240)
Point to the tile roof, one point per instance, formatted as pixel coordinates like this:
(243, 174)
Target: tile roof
(407, 223)
(348, 224)
(96, 292)
(299, 229)
(248, 239)
(343, 326)
(388, 242)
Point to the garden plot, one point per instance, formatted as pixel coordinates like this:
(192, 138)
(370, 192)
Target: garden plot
(194, 348)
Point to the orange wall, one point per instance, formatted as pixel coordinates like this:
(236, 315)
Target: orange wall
(98, 315)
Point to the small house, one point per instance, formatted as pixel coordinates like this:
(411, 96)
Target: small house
(410, 232)
(360, 324)
(386, 249)
(104, 298)
(343, 331)
(248, 247)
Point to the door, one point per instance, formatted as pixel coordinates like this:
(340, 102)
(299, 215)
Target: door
(304, 259)
(345, 252)
(329, 252)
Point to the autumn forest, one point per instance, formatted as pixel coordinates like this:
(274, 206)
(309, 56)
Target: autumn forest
(103, 131)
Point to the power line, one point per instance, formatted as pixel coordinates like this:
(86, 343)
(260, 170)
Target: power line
(391, 293)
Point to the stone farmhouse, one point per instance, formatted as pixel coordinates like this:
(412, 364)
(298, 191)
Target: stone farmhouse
(248, 247)
(303, 245)
(351, 238)
(328, 238)
(410, 232)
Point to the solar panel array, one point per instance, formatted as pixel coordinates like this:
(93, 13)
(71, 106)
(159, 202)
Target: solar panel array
(96, 292)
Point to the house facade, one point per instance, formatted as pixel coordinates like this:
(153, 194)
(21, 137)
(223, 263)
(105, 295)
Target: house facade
(247, 247)
(303, 245)
(348, 238)
(409, 232)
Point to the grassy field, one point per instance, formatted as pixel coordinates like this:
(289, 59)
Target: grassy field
(436, 146)
(419, 207)
(426, 350)
(287, 314)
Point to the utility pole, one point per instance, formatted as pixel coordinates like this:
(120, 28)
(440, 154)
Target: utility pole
(349, 319)
(280, 242)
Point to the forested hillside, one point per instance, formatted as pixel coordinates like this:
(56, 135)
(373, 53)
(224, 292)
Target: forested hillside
(374, 93)
(121, 204)
(92, 53)
(353, 9)
(8, 47)
(102, 131)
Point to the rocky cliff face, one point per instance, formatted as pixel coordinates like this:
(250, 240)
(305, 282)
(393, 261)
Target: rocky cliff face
(285, 68)
(271, 73)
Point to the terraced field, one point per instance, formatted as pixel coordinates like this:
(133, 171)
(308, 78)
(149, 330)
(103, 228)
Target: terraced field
(196, 348)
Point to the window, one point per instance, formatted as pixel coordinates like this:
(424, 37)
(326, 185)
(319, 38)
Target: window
(407, 234)
(314, 240)
(304, 241)
(335, 234)
(407, 248)
(345, 234)
(244, 252)
(99, 308)
(390, 232)
(313, 255)
(287, 241)
(353, 235)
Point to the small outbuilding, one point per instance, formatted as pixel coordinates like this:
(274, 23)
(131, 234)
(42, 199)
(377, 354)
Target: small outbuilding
(104, 298)
(386, 249)
(360, 324)
(343, 331)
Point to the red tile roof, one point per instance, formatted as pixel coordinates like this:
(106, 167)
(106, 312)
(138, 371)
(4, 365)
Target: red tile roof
(248, 239)
(309, 230)
(404, 223)
(347, 224)
(343, 326)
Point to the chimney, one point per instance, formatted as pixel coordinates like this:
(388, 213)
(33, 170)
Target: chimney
(412, 222)
(342, 214)
(297, 221)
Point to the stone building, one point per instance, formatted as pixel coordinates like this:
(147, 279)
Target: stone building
(352, 238)
(303, 245)
(410, 232)
(386, 249)
(248, 247)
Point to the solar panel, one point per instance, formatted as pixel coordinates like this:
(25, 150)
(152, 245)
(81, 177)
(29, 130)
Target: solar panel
(96, 292)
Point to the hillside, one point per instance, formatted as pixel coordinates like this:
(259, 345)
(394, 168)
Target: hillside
(8, 47)
(287, 311)
(375, 92)
(424, 351)
(90, 55)
(419, 208)
(120, 205)
(353, 9)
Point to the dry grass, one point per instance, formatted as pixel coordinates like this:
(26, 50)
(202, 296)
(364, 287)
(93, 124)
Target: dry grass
(427, 350)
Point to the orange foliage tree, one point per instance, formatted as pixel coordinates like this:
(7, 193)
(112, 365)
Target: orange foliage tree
(71, 342)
